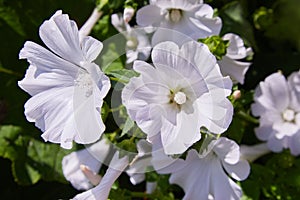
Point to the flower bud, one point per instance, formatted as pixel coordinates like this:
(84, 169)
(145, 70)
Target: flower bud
(128, 14)
(93, 177)
(236, 94)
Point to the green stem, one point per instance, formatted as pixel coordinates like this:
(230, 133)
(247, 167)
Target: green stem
(142, 195)
(247, 117)
(117, 108)
(10, 72)
(117, 80)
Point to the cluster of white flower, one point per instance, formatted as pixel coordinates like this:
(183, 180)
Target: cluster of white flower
(277, 103)
(184, 90)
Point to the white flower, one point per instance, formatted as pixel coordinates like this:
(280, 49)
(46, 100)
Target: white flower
(75, 164)
(279, 110)
(137, 41)
(182, 92)
(236, 51)
(204, 175)
(187, 18)
(67, 88)
(101, 192)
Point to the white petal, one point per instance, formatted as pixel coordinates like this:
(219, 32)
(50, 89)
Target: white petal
(60, 34)
(216, 126)
(101, 191)
(91, 48)
(206, 26)
(236, 49)
(227, 150)
(118, 22)
(239, 171)
(35, 82)
(235, 69)
(149, 15)
(89, 128)
(137, 170)
(50, 110)
(168, 34)
(275, 93)
(46, 61)
(285, 129)
(131, 56)
(195, 183)
(222, 186)
(174, 62)
(173, 141)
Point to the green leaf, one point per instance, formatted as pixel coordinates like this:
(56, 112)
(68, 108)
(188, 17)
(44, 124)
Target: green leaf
(11, 17)
(123, 75)
(234, 20)
(129, 124)
(110, 59)
(32, 160)
(104, 111)
(8, 136)
(216, 45)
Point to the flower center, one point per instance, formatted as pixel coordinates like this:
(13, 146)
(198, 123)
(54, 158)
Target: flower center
(84, 81)
(288, 115)
(180, 98)
(175, 15)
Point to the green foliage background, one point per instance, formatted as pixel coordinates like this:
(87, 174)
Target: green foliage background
(31, 169)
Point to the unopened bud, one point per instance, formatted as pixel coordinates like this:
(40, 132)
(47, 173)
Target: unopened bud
(236, 94)
(128, 14)
(93, 177)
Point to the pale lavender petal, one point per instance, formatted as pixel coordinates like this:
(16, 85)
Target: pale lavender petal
(264, 132)
(275, 144)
